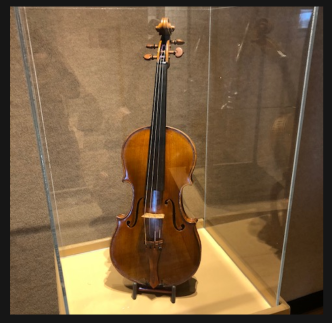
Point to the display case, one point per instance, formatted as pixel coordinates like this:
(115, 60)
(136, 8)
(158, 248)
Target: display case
(236, 91)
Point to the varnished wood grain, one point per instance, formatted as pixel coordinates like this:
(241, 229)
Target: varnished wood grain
(180, 256)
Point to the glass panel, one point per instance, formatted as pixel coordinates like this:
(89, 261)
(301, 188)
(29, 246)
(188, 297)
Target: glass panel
(93, 88)
(236, 93)
(258, 58)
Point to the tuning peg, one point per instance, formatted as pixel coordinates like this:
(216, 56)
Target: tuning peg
(149, 57)
(177, 42)
(151, 46)
(178, 52)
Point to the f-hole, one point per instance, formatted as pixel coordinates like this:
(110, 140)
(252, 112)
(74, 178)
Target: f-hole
(136, 214)
(182, 226)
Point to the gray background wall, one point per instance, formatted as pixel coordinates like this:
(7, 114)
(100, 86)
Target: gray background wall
(32, 272)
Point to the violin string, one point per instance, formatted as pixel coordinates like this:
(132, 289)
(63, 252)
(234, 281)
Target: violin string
(150, 148)
(148, 183)
(157, 108)
(152, 228)
(160, 111)
(149, 154)
(159, 123)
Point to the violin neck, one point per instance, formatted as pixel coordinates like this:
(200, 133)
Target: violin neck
(156, 159)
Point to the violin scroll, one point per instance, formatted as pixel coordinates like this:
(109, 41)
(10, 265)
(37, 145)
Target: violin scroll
(165, 29)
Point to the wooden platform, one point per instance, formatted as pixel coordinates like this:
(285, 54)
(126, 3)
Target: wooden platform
(93, 286)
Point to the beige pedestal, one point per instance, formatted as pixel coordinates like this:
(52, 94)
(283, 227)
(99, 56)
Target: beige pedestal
(93, 286)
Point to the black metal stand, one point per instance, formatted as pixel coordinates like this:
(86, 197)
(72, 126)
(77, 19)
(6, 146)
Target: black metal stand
(161, 290)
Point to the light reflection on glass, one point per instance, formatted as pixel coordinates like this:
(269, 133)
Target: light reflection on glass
(304, 18)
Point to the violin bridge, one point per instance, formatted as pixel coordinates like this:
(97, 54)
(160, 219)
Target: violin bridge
(153, 216)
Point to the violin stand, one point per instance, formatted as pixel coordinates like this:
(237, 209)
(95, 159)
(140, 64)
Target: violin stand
(162, 290)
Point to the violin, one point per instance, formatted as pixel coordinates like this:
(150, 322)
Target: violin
(156, 244)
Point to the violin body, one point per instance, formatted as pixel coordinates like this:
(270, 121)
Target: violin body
(179, 257)
(156, 243)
